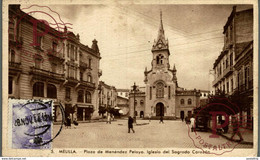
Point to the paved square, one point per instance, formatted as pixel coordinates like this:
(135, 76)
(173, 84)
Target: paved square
(171, 134)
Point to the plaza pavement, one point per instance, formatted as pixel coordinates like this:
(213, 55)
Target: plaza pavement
(115, 135)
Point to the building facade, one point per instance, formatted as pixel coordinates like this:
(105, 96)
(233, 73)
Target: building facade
(107, 96)
(234, 66)
(52, 65)
(163, 96)
(123, 93)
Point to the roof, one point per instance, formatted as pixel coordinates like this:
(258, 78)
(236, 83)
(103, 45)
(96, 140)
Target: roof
(123, 90)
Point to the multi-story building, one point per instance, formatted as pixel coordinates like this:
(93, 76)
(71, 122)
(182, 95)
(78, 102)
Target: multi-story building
(162, 96)
(107, 96)
(234, 66)
(123, 93)
(52, 65)
(238, 34)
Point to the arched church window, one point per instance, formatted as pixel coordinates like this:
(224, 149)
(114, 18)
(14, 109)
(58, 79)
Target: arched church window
(159, 59)
(160, 90)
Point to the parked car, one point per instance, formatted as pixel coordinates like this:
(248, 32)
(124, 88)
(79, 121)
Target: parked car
(202, 123)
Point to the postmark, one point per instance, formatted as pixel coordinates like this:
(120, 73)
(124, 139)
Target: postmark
(49, 27)
(217, 117)
(32, 123)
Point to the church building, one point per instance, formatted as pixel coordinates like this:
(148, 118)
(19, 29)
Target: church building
(163, 96)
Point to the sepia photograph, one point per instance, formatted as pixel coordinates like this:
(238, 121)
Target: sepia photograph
(130, 79)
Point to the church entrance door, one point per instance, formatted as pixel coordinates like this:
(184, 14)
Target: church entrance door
(159, 109)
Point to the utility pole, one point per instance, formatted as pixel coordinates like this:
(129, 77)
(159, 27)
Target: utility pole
(134, 90)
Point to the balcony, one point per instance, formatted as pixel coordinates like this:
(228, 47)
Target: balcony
(83, 65)
(228, 71)
(40, 73)
(216, 80)
(14, 67)
(87, 84)
(55, 55)
(245, 87)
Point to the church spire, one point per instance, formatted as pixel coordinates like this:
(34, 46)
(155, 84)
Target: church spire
(160, 42)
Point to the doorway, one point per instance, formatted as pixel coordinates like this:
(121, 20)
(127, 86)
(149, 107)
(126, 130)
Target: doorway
(159, 109)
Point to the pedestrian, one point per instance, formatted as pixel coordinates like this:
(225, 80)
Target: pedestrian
(149, 116)
(108, 118)
(130, 124)
(68, 122)
(161, 119)
(75, 122)
(235, 125)
(192, 123)
(182, 117)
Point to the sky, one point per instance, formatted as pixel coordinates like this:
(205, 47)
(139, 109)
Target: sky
(125, 35)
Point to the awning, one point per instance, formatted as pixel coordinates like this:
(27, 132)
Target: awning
(121, 112)
(84, 106)
(116, 108)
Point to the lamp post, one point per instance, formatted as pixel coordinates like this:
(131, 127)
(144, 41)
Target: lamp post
(134, 90)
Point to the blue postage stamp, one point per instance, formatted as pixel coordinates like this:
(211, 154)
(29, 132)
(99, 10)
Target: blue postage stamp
(31, 124)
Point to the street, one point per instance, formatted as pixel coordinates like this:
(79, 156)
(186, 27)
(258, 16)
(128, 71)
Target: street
(115, 135)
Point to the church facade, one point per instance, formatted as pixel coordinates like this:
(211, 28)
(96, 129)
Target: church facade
(163, 96)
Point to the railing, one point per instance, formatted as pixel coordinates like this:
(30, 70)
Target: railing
(244, 87)
(14, 65)
(49, 74)
(227, 71)
(89, 84)
(83, 65)
(55, 54)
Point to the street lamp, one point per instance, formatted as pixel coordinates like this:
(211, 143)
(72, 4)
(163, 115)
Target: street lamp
(134, 90)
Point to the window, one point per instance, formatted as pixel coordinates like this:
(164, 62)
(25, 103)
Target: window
(71, 72)
(231, 59)
(76, 55)
(10, 86)
(227, 87)
(151, 92)
(89, 62)
(80, 96)
(54, 67)
(90, 80)
(39, 42)
(189, 101)
(51, 91)
(224, 88)
(141, 102)
(38, 89)
(81, 76)
(227, 63)
(11, 28)
(182, 101)
(246, 77)
(135, 101)
(68, 50)
(169, 92)
(232, 85)
(67, 93)
(38, 62)
(160, 90)
(54, 46)
(126, 94)
(12, 56)
(88, 97)
(159, 59)
(72, 52)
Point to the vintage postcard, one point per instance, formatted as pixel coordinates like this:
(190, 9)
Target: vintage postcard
(130, 78)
